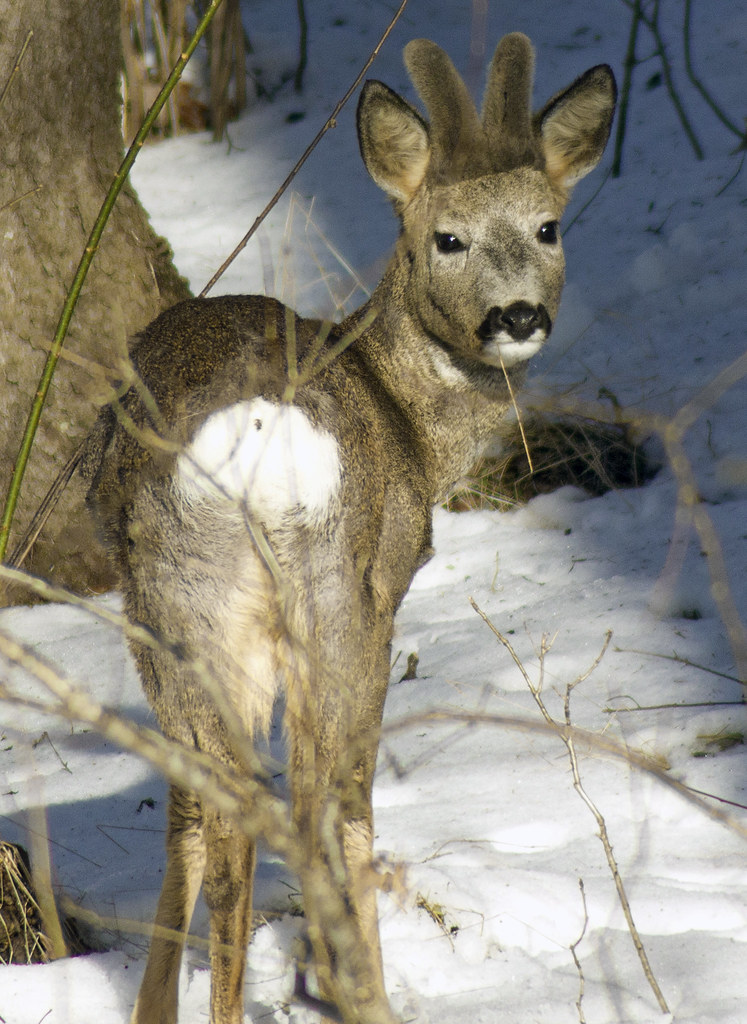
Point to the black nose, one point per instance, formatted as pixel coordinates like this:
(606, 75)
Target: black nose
(519, 320)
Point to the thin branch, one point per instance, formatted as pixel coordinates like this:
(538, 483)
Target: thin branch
(331, 122)
(303, 53)
(607, 845)
(690, 509)
(567, 225)
(736, 173)
(577, 962)
(568, 739)
(680, 661)
(603, 745)
(688, 498)
(19, 199)
(17, 65)
(652, 23)
(232, 793)
(671, 707)
(46, 509)
(622, 112)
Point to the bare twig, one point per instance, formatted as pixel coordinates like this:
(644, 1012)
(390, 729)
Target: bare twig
(331, 122)
(573, 947)
(41, 873)
(606, 843)
(230, 792)
(671, 707)
(681, 660)
(17, 65)
(652, 23)
(622, 110)
(601, 744)
(303, 53)
(19, 199)
(160, 34)
(45, 510)
(568, 737)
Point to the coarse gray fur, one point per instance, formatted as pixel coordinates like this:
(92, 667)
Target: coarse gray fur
(260, 579)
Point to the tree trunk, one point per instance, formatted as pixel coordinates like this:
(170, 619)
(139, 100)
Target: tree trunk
(60, 145)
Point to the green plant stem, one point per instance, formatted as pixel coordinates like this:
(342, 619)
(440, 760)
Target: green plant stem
(83, 267)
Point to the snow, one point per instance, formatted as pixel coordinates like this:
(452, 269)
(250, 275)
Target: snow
(483, 817)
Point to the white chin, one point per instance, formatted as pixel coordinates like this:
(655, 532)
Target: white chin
(509, 353)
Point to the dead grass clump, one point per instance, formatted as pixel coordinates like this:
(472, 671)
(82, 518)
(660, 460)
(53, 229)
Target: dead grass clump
(22, 939)
(597, 457)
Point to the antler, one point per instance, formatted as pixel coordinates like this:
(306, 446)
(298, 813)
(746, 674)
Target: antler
(463, 146)
(456, 134)
(507, 107)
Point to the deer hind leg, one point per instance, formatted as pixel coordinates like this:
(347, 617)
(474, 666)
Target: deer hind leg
(185, 865)
(229, 876)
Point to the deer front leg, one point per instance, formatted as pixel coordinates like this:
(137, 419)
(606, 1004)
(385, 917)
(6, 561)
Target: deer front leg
(185, 865)
(333, 765)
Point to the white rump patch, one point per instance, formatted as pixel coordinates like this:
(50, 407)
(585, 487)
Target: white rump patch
(266, 455)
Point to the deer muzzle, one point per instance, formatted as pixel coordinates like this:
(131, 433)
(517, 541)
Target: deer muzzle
(520, 321)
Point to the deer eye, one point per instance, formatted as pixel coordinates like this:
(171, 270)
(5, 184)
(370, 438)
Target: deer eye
(446, 242)
(548, 233)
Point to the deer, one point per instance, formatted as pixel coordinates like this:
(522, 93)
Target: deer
(266, 483)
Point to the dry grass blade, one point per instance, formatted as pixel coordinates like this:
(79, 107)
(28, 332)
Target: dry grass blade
(568, 450)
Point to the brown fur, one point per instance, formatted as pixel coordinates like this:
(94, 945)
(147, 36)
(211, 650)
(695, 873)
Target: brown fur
(287, 589)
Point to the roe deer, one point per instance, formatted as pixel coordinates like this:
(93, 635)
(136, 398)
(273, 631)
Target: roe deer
(266, 486)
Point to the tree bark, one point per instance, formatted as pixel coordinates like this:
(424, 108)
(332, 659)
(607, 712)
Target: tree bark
(60, 146)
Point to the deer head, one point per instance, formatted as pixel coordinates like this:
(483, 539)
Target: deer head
(480, 263)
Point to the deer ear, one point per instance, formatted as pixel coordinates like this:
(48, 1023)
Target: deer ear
(394, 141)
(575, 125)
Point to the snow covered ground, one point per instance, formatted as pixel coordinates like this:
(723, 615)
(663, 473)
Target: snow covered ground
(485, 818)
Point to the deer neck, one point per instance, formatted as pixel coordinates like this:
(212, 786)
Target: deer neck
(455, 407)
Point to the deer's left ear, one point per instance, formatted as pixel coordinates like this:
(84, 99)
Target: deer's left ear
(575, 125)
(394, 141)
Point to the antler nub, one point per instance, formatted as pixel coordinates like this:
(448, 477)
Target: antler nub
(507, 107)
(462, 145)
(455, 130)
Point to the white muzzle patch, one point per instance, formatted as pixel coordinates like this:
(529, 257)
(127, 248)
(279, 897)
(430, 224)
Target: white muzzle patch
(510, 353)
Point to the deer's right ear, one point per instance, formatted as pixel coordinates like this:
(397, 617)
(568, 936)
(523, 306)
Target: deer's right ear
(394, 141)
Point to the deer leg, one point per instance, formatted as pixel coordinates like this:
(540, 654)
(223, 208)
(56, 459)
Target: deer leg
(229, 875)
(332, 781)
(185, 864)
